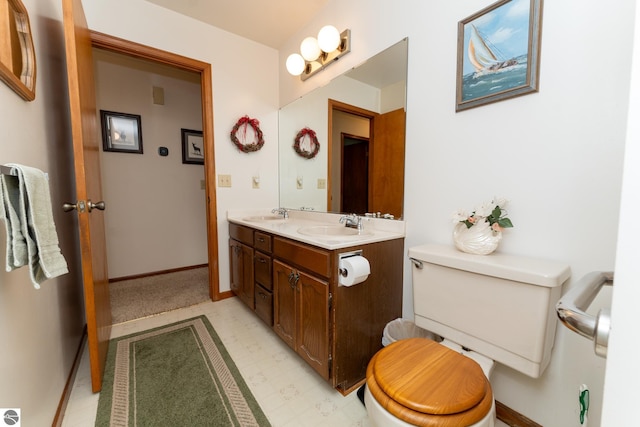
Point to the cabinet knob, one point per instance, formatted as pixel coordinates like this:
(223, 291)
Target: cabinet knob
(293, 279)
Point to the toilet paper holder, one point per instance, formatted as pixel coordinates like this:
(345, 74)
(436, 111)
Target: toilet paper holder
(343, 271)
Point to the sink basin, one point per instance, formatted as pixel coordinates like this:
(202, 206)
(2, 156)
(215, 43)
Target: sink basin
(264, 218)
(331, 231)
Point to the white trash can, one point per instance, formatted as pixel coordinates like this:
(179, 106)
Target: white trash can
(400, 329)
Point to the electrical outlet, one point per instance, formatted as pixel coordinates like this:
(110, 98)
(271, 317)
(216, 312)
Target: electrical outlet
(224, 180)
(322, 183)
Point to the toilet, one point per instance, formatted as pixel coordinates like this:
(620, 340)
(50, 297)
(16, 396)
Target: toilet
(488, 309)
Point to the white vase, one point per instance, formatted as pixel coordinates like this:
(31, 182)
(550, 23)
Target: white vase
(480, 239)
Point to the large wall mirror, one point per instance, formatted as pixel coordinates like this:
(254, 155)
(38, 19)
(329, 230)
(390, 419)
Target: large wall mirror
(359, 121)
(17, 55)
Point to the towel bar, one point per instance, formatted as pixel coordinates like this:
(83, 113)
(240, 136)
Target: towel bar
(7, 170)
(12, 171)
(571, 308)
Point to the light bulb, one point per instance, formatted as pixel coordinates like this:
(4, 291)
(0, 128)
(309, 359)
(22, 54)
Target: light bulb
(328, 38)
(295, 64)
(309, 49)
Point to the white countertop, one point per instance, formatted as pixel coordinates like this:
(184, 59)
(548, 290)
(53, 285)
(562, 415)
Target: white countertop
(374, 229)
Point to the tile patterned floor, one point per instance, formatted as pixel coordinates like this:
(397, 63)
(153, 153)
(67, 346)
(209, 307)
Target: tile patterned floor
(288, 391)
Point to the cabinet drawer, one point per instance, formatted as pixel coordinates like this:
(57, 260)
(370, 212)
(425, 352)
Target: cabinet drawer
(241, 233)
(313, 259)
(262, 242)
(262, 269)
(264, 305)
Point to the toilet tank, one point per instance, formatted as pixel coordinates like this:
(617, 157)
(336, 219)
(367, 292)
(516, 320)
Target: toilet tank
(501, 306)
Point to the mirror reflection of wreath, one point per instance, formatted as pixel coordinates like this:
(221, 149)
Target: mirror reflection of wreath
(244, 123)
(313, 144)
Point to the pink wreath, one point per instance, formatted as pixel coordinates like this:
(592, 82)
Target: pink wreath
(313, 140)
(244, 122)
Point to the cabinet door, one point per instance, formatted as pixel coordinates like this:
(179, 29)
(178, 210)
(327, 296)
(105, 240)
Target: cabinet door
(313, 323)
(284, 303)
(235, 266)
(241, 260)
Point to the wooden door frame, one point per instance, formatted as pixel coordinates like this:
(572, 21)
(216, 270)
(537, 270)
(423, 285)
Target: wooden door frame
(126, 47)
(357, 111)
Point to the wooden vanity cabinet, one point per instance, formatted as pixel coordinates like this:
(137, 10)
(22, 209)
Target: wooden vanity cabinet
(262, 266)
(241, 263)
(250, 269)
(302, 301)
(335, 329)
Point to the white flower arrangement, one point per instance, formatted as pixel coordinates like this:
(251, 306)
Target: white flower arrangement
(492, 213)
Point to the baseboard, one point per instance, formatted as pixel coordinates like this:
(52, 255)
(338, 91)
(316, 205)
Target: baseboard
(156, 273)
(513, 418)
(66, 392)
(224, 295)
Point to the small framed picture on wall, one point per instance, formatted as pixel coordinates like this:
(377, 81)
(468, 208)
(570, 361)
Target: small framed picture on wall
(192, 147)
(499, 53)
(121, 132)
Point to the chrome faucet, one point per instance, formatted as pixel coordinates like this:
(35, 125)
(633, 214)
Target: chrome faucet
(281, 211)
(352, 221)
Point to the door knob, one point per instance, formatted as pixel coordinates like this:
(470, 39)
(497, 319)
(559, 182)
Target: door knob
(79, 206)
(68, 207)
(100, 205)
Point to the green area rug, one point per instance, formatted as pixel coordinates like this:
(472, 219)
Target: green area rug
(175, 375)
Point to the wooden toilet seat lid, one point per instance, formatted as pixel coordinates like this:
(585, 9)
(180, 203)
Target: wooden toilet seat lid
(429, 378)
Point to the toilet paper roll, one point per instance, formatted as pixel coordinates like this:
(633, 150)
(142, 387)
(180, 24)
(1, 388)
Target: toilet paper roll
(354, 270)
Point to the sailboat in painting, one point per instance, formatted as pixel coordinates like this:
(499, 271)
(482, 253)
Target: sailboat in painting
(482, 57)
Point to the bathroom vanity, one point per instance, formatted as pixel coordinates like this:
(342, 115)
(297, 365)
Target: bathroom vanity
(287, 272)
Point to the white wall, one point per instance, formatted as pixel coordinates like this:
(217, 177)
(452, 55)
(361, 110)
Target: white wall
(557, 154)
(40, 330)
(156, 214)
(244, 83)
(621, 394)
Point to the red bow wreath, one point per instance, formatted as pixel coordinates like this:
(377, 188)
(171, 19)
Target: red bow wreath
(244, 122)
(314, 145)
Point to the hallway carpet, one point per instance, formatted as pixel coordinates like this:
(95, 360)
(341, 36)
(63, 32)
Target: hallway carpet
(146, 296)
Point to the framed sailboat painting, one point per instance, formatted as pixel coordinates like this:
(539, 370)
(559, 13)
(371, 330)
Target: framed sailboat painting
(498, 53)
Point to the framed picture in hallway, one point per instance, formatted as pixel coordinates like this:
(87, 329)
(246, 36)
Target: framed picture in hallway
(121, 132)
(192, 147)
(498, 53)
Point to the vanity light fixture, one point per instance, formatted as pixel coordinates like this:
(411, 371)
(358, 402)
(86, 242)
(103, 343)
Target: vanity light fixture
(316, 54)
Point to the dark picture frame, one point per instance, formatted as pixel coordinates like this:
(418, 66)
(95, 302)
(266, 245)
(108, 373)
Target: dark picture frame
(192, 147)
(121, 132)
(498, 53)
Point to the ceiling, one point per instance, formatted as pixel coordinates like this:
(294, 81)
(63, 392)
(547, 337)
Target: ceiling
(270, 22)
